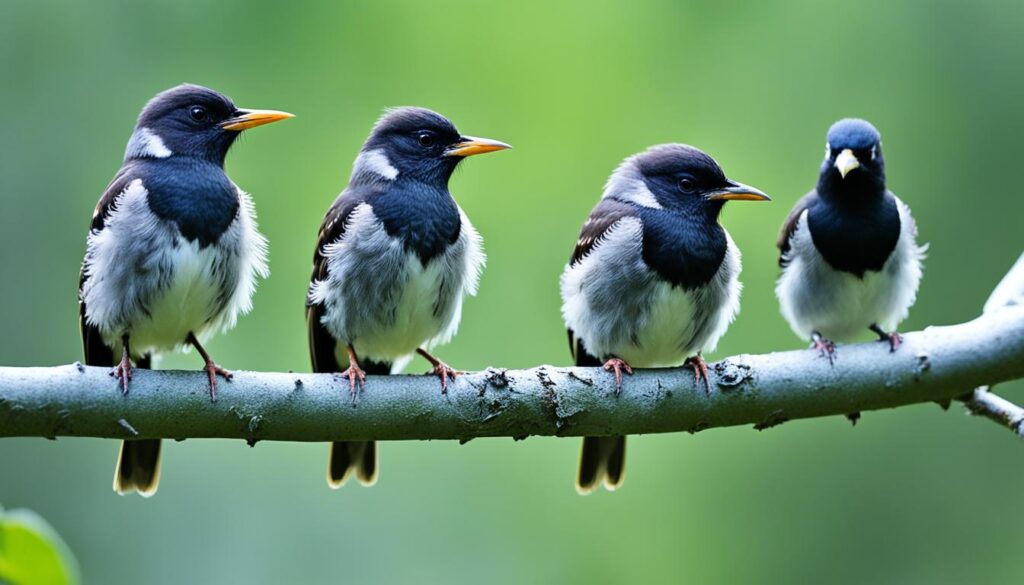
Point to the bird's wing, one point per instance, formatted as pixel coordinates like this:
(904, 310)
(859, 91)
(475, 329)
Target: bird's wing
(97, 353)
(789, 226)
(606, 214)
(321, 342)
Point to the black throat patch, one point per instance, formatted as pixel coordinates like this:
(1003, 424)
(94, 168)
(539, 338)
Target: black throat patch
(855, 236)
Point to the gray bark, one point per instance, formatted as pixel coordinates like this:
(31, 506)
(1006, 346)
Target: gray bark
(934, 365)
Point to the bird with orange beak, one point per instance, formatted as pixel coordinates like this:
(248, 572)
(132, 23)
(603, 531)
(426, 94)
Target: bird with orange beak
(173, 253)
(653, 280)
(394, 258)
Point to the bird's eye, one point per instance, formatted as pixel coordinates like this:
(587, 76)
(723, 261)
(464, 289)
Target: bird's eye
(687, 185)
(198, 113)
(426, 139)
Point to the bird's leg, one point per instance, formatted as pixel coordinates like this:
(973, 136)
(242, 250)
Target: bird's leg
(212, 369)
(894, 338)
(617, 365)
(700, 370)
(440, 369)
(354, 372)
(123, 370)
(825, 347)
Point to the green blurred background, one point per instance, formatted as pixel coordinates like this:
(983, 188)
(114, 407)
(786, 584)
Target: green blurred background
(916, 495)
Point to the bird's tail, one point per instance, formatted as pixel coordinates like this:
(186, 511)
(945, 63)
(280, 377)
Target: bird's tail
(603, 459)
(138, 467)
(138, 462)
(355, 457)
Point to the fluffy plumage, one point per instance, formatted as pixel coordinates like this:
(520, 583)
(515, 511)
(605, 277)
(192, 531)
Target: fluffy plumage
(395, 257)
(173, 252)
(654, 278)
(848, 250)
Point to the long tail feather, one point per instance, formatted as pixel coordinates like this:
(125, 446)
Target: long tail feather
(138, 467)
(602, 459)
(355, 457)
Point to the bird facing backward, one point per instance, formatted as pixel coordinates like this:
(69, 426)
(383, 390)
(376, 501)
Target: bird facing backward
(173, 252)
(394, 258)
(653, 280)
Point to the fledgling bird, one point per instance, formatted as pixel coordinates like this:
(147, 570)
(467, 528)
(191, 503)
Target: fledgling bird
(173, 252)
(394, 258)
(654, 278)
(848, 250)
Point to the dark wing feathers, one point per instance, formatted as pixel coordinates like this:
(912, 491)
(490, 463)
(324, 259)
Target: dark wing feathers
(789, 226)
(321, 342)
(98, 353)
(605, 214)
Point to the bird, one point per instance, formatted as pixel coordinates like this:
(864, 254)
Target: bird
(653, 280)
(848, 250)
(173, 252)
(394, 258)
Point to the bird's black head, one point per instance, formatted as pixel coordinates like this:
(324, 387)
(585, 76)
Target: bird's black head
(419, 144)
(679, 178)
(195, 121)
(853, 165)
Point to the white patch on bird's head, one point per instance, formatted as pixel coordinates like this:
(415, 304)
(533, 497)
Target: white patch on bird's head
(145, 144)
(374, 162)
(627, 184)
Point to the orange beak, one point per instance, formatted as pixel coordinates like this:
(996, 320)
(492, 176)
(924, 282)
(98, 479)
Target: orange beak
(245, 119)
(738, 192)
(469, 146)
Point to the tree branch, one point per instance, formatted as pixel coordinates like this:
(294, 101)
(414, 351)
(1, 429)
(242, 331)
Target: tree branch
(1008, 293)
(983, 403)
(764, 390)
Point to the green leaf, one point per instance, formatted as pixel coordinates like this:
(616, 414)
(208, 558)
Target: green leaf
(32, 553)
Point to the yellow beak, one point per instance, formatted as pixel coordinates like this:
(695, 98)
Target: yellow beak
(468, 146)
(846, 162)
(738, 192)
(245, 119)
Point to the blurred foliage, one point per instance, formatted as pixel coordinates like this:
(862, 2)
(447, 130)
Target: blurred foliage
(32, 553)
(576, 87)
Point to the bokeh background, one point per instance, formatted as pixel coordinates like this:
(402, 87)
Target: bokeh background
(916, 495)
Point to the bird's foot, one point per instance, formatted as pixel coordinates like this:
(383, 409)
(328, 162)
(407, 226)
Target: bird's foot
(700, 370)
(355, 375)
(212, 371)
(826, 348)
(618, 366)
(894, 339)
(441, 369)
(444, 371)
(123, 373)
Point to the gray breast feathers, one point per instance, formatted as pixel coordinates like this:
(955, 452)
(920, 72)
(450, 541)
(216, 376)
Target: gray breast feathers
(619, 307)
(382, 299)
(136, 258)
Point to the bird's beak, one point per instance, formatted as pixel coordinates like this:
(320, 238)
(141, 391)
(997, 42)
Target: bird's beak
(846, 162)
(468, 146)
(738, 192)
(245, 119)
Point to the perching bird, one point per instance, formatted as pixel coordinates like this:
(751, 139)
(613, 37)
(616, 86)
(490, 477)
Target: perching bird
(654, 278)
(394, 257)
(849, 256)
(173, 252)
